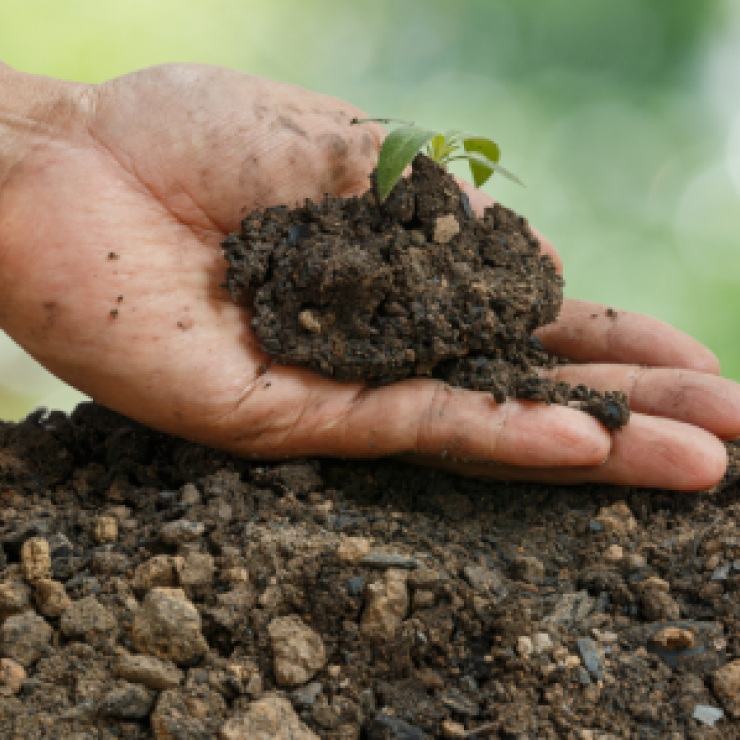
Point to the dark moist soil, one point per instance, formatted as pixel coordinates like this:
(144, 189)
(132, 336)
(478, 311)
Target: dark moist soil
(150, 587)
(417, 286)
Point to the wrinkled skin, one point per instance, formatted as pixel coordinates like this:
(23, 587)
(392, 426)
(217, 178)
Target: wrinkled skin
(157, 167)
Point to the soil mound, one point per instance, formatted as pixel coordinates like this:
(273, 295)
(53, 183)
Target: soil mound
(416, 286)
(154, 588)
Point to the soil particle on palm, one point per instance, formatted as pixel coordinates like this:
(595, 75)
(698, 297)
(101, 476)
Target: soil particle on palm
(417, 286)
(356, 600)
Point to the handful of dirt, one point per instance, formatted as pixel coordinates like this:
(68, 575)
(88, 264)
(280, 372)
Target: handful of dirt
(416, 286)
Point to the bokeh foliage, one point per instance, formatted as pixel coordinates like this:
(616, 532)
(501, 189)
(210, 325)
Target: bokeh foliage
(602, 108)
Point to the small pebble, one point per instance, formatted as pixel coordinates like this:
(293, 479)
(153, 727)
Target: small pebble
(51, 597)
(541, 643)
(298, 650)
(305, 696)
(12, 676)
(528, 569)
(656, 583)
(130, 701)
(149, 671)
(189, 495)
(721, 572)
(590, 656)
(673, 638)
(168, 626)
(452, 729)
(175, 533)
(384, 560)
(106, 529)
(707, 715)
(353, 549)
(35, 559)
(524, 647)
(24, 638)
(617, 518)
(445, 228)
(386, 606)
(726, 680)
(633, 561)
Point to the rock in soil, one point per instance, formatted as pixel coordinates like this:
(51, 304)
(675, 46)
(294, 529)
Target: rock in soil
(416, 286)
(24, 638)
(299, 651)
(12, 677)
(271, 718)
(417, 605)
(167, 625)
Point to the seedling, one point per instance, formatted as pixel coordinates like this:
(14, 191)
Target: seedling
(404, 143)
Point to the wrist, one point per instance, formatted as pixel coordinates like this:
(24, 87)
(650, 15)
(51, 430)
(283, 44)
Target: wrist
(39, 118)
(34, 110)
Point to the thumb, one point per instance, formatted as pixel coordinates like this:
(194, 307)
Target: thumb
(209, 142)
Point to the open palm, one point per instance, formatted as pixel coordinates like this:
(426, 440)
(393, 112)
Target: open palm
(111, 272)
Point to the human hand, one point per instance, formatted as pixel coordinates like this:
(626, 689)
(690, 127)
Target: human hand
(127, 189)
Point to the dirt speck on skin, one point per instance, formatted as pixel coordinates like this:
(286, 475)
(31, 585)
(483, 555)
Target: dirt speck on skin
(417, 286)
(335, 145)
(290, 125)
(419, 603)
(369, 145)
(51, 312)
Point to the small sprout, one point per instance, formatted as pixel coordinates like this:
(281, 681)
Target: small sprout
(403, 144)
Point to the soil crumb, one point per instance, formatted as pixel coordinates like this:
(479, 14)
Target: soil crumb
(417, 286)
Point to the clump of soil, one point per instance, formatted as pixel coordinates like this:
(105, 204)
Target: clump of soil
(417, 286)
(154, 588)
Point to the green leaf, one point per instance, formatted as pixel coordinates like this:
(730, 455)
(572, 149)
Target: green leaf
(454, 134)
(398, 150)
(486, 147)
(436, 146)
(488, 167)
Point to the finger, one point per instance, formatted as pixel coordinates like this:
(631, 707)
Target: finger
(649, 452)
(585, 332)
(480, 201)
(312, 415)
(683, 395)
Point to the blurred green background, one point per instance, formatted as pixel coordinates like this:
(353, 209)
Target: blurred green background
(623, 118)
